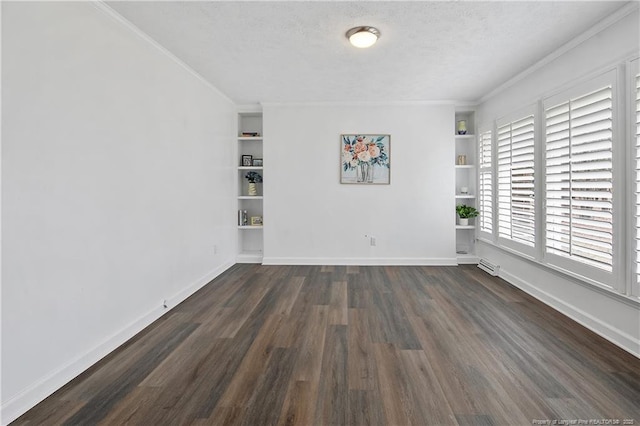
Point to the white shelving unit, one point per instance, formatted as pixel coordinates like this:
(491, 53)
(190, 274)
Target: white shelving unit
(465, 177)
(250, 237)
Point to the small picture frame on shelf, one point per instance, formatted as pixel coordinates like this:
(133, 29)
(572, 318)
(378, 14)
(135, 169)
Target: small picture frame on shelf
(257, 162)
(247, 160)
(256, 220)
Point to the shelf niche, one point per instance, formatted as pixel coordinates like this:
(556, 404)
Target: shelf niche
(249, 142)
(465, 175)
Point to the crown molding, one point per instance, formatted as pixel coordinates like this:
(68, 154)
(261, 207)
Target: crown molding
(361, 103)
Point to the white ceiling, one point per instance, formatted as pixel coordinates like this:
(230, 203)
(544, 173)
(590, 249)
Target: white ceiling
(297, 52)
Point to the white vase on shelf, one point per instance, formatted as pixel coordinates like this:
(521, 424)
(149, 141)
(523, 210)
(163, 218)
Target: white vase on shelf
(253, 191)
(463, 221)
(462, 127)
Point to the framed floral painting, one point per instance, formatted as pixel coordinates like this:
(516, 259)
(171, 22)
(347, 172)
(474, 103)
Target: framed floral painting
(365, 159)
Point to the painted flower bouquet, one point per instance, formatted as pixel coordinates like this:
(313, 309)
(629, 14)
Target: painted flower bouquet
(362, 152)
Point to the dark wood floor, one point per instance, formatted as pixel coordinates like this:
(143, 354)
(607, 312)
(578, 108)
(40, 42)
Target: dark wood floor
(349, 345)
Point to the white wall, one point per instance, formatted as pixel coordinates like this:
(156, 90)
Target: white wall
(116, 185)
(312, 219)
(613, 317)
(608, 46)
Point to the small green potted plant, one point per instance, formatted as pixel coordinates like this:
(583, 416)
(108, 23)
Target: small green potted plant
(465, 213)
(253, 178)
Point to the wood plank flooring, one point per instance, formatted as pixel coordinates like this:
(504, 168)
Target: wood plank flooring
(333, 345)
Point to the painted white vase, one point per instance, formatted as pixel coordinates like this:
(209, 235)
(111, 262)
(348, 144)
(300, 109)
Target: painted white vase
(462, 127)
(463, 221)
(364, 172)
(253, 191)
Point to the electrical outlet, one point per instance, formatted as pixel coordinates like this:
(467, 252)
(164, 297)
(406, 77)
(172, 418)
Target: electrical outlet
(372, 241)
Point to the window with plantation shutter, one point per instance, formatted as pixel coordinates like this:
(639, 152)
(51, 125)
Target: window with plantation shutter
(578, 166)
(485, 183)
(516, 209)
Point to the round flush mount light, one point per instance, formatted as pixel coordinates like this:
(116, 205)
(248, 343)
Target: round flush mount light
(363, 36)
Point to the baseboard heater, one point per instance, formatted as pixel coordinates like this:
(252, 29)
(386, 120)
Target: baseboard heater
(489, 267)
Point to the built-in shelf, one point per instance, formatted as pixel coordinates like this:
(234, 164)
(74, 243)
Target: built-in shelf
(250, 253)
(249, 257)
(250, 237)
(465, 163)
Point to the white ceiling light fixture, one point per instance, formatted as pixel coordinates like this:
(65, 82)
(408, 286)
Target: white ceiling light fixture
(363, 36)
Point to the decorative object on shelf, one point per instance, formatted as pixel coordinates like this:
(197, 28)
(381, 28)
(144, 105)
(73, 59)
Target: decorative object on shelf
(243, 219)
(250, 134)
(256, 220)
(365, 159)
(253, 178)
(465, 213)
(464, 190)
(247, 160)
(257, 162)
(462, 127)
(462, 160)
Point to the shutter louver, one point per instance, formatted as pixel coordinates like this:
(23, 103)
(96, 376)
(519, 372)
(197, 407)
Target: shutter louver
(579, 179)
(516, 212)
(486, 186)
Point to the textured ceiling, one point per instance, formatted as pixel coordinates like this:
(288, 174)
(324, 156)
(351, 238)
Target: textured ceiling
(297, 51)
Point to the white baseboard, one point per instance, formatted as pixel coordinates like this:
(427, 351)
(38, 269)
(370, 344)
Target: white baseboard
(615, 336)
(29, 397)
(365, 261)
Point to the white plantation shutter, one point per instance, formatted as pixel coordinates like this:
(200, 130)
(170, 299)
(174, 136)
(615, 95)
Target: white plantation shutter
(637, 186)
(579, 207)
(516, 212)
(485, 184)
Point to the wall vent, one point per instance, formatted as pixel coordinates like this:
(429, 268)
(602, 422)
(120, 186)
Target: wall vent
(489, 267)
